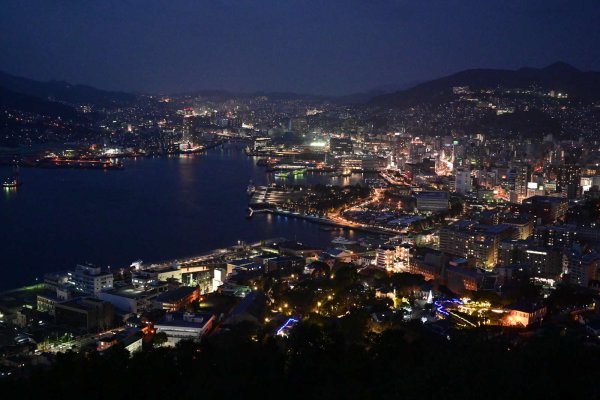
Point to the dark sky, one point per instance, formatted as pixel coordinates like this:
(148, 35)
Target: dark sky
(309, 46)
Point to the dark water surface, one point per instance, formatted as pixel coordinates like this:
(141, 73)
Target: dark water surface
(156, 209)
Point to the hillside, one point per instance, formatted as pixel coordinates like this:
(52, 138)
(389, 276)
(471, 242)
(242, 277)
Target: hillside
(64, 92)
(17, 101)
(558, 76)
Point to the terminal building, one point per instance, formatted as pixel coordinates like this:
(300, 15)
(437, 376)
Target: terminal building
(361, 163)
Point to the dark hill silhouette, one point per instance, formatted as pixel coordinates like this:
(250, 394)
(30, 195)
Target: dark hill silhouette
(10, 100)
(64, 92)
(559, 76)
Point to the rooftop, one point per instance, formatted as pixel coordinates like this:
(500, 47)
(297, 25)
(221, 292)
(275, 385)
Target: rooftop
(433, 195)
(189, 320)
(176, 294)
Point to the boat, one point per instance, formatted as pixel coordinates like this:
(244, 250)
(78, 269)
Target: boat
(13, 181)
(343, 240)
(250, 189)
(282, 174)
(346, 172)
(300, 171)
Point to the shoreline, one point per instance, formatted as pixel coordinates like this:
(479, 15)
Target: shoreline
(325, 221)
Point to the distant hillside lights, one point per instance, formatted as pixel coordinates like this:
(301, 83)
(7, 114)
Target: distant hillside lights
(558, 95)
(461, 90)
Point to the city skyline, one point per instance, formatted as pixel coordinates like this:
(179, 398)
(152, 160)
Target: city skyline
(208, 199)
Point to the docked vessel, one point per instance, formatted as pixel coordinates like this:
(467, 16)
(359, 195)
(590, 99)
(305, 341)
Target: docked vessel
(81, 163)
(343, 240)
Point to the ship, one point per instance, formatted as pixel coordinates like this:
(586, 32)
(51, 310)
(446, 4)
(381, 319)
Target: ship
(80, 163)
(343, 240)
(13, 181)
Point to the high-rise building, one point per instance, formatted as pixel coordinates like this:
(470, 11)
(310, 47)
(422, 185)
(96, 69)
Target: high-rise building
(568, 179)
(90, 279)
(543, 261)
(546, 209)
(463, 182)
(384, 257)
(582, 266)
(472, 240)
(522, 174)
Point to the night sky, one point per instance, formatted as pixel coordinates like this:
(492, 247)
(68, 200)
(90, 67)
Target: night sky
(321, 47)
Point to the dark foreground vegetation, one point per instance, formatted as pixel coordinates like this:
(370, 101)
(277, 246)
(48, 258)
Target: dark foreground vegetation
(317, 361)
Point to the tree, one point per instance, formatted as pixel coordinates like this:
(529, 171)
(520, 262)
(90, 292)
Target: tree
(404, 279)
(159, 339)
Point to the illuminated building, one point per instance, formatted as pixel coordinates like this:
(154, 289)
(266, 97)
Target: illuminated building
(384, 257)
(583, 265)
(544, 262)
(432, 201)
(340, 146)
(184, 326)
(568, 177)
(546, 208)
(463, 183)
(472, 240)
(559, 236)
(510, 251)
(261, 143)
(362, 163)
(523, 225)
(524, 314)
(176, 299)
(90, 279)
(522, 173)
(129, 299)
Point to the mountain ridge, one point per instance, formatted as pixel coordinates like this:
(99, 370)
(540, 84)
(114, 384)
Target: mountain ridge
(561, 76)
(61, 91)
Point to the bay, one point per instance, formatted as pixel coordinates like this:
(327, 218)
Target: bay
(156, 209)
